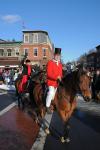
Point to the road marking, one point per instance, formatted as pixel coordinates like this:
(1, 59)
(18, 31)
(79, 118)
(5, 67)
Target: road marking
(7, 108)
(3, 93)
(40, 140)
(90, 107)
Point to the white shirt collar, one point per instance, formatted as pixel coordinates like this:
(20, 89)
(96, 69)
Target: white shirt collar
(57, 62)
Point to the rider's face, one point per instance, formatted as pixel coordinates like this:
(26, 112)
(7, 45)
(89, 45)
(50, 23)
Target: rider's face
(57, 57)
(28, 63)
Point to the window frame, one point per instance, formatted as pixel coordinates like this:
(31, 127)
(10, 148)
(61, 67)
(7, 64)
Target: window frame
(35, 35)
(27, 38)
(9, 52)
(27, 51)
(34, 51)
(45, 52)
(2, 51)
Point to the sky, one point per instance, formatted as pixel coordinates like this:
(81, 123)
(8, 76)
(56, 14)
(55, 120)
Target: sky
(73, 25)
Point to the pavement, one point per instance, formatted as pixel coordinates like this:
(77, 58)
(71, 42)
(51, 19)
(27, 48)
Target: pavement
(7, 87)
(89, 107)
(18, 131)
(82, 138)
(84, 130)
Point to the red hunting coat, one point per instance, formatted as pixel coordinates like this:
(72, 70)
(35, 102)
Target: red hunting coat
(53, 71)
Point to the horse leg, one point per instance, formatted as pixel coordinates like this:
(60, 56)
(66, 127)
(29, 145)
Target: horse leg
(18, 101)
(23, 103)
(65, 137)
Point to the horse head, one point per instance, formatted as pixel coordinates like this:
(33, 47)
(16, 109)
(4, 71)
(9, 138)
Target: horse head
(78, 81)
(84, 84)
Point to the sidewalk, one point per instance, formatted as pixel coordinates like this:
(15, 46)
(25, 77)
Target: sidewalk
(7, 87)
(17, 130)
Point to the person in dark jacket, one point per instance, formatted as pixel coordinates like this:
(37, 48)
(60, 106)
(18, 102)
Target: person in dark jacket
(27, 70)
(97, 81)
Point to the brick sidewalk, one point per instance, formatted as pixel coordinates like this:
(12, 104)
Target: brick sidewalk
(17, 130)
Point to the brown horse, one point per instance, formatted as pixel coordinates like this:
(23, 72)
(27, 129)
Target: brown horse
(18, 94)
(65, 98)
(35, 79)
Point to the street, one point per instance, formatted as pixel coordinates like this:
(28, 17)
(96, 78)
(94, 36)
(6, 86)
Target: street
(6, 98)
(84, 131)
(19, 131)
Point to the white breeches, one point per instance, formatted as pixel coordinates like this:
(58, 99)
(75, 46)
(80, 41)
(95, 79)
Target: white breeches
(50, 95)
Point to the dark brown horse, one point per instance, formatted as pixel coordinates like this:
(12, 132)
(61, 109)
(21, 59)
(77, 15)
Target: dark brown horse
(21, 96)
(35, 79)
(65, 98)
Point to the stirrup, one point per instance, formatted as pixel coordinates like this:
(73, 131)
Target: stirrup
(48, 110)
(47, 131)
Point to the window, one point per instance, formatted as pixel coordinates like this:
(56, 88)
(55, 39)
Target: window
(9, 52)
(35, 52)
(26, 39)
(44, 52)
(26, 51)
(17, 51)
(35, 38)
(1, 52)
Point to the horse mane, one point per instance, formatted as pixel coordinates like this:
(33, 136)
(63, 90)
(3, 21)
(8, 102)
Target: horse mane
(71, 80)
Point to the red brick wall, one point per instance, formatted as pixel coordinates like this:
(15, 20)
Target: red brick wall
(49, 52)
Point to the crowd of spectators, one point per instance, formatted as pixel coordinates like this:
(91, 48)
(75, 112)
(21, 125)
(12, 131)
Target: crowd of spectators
(9, 75)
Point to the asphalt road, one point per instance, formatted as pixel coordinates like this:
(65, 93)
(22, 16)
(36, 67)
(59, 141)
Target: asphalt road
(6, 99)
(85, 126)
(83, 135)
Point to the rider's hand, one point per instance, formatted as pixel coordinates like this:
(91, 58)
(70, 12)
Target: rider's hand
(59, 78)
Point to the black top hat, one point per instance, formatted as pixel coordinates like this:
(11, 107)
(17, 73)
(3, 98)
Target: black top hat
(57, 51)
(27, 61)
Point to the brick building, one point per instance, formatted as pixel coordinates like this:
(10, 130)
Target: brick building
(91, 59)
(9, 53)
(36, 45)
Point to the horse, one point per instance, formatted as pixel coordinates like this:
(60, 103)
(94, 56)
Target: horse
(27, 94)
(65, 98)
(19, 94)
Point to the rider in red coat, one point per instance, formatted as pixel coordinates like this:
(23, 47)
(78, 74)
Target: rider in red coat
(25, 74)
(54, 73)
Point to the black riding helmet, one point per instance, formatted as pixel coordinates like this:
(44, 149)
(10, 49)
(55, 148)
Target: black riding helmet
(27, 61)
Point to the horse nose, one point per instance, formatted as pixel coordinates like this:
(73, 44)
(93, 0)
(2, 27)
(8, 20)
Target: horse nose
(87, 99)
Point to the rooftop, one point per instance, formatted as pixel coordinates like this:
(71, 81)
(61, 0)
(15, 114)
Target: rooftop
(35, 31)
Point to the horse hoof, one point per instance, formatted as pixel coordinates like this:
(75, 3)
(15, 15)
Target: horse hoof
(63, 140)
(67, 140)
(47, 131)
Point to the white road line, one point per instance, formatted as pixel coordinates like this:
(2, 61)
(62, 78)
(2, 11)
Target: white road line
(40, 140)
(3, 93)
(7, 108)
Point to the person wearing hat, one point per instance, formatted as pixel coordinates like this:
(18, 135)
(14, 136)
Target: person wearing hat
(54, 73)
(26, 63)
